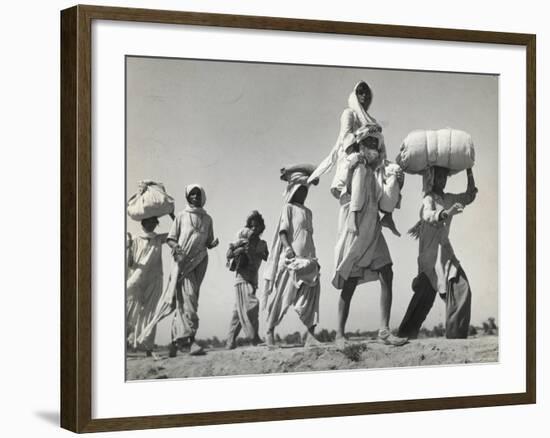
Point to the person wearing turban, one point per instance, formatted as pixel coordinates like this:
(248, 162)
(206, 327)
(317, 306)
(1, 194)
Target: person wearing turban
(292, 271)
(190, 236)
(439, 270)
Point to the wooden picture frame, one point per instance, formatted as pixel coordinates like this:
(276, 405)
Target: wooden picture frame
(76, 217)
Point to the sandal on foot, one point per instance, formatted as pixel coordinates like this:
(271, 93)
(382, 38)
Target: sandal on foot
(385, 337)
(341, 342)
(312, 342)
(196, 350)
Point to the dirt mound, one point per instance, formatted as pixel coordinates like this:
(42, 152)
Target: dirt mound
(359, 354)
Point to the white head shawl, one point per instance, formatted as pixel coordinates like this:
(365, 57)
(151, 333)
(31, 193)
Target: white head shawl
(365, 119)
(353, 103)
(203, 194)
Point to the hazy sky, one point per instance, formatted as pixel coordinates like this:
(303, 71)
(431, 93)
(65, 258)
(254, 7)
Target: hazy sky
(231, 126)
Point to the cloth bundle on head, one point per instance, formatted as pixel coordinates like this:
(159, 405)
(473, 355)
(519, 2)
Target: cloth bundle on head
(450, 148)
(150, 200)
(422, 150)
(297, 172)
(297, 175)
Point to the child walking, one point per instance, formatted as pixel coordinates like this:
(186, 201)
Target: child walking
(245, 257)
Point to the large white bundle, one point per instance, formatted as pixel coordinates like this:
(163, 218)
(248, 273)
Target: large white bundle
(450, 148)
(151, 200)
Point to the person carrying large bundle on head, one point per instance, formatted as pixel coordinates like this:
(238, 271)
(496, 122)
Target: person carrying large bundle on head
(144, 261)
(436, 155)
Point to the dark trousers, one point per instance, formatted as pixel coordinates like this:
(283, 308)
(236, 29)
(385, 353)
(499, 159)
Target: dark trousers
(458, 303)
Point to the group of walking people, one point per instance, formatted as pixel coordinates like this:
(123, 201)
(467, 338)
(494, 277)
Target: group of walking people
(367, 188)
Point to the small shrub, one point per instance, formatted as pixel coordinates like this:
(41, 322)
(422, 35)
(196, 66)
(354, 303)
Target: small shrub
(438, 331)
(424, 333)
(354, 351)
(487, 329)
(325, 336)
(293, 339)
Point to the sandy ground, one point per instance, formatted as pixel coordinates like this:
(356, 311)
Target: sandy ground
(289, 359)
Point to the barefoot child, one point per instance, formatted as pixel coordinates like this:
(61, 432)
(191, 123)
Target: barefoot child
(245, 256)
(189, 238)
(143, 283)
(439, 270)
(292, 272)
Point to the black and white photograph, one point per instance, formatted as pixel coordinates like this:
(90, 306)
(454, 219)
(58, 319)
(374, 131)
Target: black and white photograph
(273, 219)
(290, 218)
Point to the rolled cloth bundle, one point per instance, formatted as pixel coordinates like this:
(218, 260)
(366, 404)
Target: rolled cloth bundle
(150, 200)
(292, 174)
(450, 148)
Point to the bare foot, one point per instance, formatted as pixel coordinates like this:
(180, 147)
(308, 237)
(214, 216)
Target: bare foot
(150, 353)
(270, 340)
(156, 356)
(312, 341)
(341, 341)
(257, 341)
(196, 349)
(387, 221)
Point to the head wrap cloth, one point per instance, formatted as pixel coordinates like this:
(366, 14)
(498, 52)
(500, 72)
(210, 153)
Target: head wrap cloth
(366, 121)
(190, 187)
(296, 175)
(347, 139)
